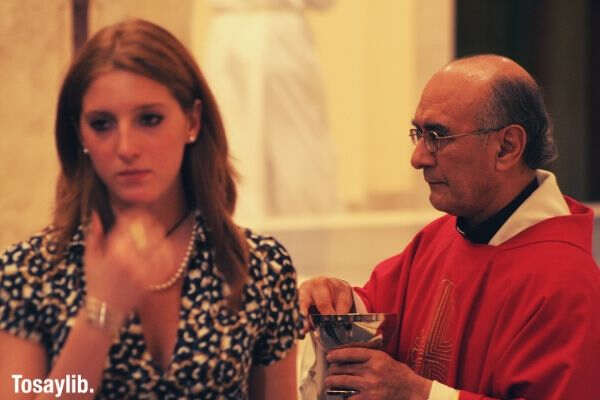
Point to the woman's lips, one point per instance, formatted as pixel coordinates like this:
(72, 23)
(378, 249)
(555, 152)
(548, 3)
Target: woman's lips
(133, 174)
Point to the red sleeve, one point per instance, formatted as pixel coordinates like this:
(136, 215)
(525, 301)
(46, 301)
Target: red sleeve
(385, 289)
(363, 296)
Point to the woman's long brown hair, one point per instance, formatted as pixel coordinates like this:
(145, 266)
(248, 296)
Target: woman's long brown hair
(146, 49)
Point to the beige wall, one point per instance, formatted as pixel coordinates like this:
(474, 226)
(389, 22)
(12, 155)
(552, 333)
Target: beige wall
(375, 55)
(34, 53)
(174, 15)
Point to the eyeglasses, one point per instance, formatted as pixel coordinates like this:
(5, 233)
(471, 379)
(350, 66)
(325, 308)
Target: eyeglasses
(434, 141)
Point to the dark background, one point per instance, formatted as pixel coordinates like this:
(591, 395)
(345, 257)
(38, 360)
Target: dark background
(555, 40)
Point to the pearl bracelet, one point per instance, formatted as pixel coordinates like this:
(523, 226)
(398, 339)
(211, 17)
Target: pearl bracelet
(99, 316)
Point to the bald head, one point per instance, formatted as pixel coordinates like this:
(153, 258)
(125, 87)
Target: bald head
(487, 130)
(488, 67)
(503, 93)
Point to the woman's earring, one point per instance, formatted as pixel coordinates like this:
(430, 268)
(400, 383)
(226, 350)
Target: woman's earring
(85, 150)
(192, 139)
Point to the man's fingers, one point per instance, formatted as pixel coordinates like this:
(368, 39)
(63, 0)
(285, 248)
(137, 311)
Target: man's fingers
(341, 382)
(349, 355)
(342, 293)
(316, 292)
(346, 368)
(328, 295)
(322, 296)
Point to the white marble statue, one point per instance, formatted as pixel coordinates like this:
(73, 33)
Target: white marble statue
(260, 61)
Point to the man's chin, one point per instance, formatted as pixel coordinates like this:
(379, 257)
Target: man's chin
(440, 203)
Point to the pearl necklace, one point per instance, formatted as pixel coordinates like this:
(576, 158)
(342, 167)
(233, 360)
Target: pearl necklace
(182, 267)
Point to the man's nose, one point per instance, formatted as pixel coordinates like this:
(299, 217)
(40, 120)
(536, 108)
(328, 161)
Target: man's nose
(421, 157)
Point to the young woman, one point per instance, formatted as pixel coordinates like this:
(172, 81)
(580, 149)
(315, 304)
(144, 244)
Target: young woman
(143, 286)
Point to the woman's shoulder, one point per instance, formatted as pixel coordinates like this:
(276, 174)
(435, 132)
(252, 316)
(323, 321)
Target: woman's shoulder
(41, 245)
(273, 273)
(38, 287)
(268, 252)
(40, 256)
(260, 243)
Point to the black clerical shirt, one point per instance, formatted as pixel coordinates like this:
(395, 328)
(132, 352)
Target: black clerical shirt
(483, 233)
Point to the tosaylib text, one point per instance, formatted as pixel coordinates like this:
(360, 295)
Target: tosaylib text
(73, 383)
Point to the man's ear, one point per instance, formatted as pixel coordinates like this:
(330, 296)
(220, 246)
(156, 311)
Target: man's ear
(512, 142)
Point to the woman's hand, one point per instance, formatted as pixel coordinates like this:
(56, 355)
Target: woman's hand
(119, 265)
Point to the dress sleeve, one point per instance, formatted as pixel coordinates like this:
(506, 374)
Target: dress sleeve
(283, 322)
(21, 286)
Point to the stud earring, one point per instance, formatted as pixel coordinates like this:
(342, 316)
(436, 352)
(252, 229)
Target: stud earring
(85, 150)
(192, 139)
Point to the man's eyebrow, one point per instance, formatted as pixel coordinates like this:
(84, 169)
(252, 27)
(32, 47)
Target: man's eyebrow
(429, 126)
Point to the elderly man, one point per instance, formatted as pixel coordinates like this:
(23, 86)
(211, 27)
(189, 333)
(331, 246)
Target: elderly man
(499, 299)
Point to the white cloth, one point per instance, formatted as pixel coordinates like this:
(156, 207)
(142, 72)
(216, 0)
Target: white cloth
(439, 391)
(545, 202)
(260, 62)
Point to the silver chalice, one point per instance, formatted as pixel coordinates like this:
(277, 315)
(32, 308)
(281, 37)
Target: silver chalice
(334, 331)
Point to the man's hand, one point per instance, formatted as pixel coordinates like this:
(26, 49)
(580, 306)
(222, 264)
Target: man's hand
(375, 375)
(328, 295)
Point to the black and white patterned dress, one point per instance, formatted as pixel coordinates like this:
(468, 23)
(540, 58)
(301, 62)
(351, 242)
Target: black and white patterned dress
(215, 347)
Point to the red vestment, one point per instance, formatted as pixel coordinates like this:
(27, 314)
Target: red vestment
(518, 320)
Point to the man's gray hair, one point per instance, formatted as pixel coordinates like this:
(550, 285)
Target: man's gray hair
(519, 101)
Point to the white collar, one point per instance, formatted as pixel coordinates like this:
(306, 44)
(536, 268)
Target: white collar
(545, 202)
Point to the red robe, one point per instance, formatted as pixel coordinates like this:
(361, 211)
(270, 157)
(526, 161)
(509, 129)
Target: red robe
(520, 320)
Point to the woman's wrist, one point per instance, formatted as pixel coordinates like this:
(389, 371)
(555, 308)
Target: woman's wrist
(99, 314)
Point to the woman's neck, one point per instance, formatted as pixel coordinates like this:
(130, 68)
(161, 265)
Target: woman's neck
(169, 211)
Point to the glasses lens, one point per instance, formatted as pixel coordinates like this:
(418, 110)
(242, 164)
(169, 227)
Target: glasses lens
(414, 136)
(430, 142)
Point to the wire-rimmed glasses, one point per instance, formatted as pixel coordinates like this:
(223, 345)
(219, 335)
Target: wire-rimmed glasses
(434, 140)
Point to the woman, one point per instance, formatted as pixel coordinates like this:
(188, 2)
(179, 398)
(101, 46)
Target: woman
(143, 287)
